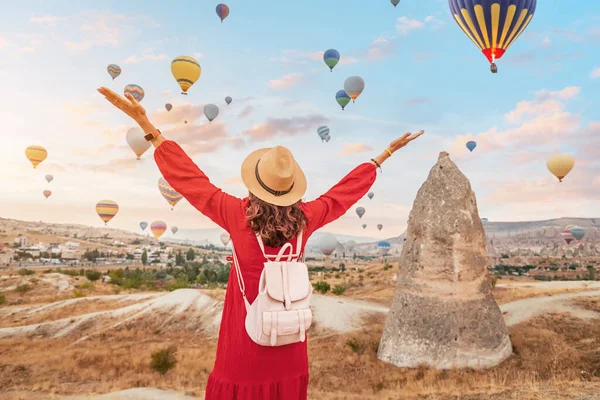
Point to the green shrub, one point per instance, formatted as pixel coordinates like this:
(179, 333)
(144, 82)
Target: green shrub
(22, 289)
(85, 285)
(180, 283)
(338, 276)
(339, 289)
(322, 287)
(494, 280)
(2, 299)
(24, 272)
(164, 360)
(356, 346)
(386, 266)
(93, 275)
(78, 293)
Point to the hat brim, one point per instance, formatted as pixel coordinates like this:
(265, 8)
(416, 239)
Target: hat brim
(251, 183)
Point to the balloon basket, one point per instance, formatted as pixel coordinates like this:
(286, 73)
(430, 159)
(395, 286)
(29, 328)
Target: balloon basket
(184, 93)
(494, 68)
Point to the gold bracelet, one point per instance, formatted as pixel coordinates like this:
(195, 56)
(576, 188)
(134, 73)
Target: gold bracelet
(389, 152)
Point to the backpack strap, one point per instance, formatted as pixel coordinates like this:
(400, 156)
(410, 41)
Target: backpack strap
(278, 256)
(240, 278)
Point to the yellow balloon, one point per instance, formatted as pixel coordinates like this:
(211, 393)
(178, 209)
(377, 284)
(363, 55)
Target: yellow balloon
(186, 70)
(106, 210)
(560, 165)
(36, 154)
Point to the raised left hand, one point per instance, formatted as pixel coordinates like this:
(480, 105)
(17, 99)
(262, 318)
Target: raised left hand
(127, 104)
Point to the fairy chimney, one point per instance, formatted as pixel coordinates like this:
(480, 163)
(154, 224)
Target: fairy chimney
(443, 313)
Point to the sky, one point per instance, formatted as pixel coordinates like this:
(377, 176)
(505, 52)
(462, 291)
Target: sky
(421, 72)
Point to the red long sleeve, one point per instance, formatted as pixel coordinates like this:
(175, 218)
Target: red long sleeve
(186, 178)
(333, 204)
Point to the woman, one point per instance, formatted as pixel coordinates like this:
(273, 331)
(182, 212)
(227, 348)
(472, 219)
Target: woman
(273, 209)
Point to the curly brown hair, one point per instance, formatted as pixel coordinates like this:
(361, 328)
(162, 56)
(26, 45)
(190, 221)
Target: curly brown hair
(275, 224)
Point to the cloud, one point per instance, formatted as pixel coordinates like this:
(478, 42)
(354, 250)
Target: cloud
(434, 22)
(49, 20)
(3, 42)
(353, 148)
(594, 75)
(197, 55)
(148, 54)
(542, 121)
(417, 101)
(107, 29)
(166, 92)
(234, 180)
(179, 113)
(380, 48)
(303, 57)
(27, 49)
(286, 82)
(421, 57)
(405, 25)
(246, 111)
(284, 126)
(546, 42)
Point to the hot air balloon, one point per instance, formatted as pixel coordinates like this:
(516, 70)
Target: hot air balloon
(186, 70)
(395, 2)
(380, 227)
(331, 58)
(471, 145)
(360, 211)
(170, 194)
(185, 122)
(384, 247)
(323, 132)
(560, 165)
(143, 225)
(370, 195)
(107, 209)
(49, 178)
(136, 91)
(113, 70)
(364, 226)
(36, 154)
(342, 98)
(211, 112)
(174, 229)
(493, 25)
(327, 244)
(484, 220)
(222, 11)
(47, 193)
(137, 142)
(168, 106)
(578, 232)
(225, 238)
(228, 100)
(158, 228)
(354, 86)
(567, 235)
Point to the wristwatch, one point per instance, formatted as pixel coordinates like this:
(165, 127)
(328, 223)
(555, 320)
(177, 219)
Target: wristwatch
(152, 135)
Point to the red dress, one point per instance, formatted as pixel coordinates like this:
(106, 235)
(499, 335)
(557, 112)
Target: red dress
(244, 370)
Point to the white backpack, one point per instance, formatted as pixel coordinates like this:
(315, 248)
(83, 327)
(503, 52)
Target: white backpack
(281, 312)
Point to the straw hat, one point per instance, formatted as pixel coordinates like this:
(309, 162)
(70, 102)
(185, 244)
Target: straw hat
(274, 176)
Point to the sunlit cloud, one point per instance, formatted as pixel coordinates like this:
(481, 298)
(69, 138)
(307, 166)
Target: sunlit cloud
(284, 126)
(148, 54)
(354, 148)
(49, 20)
(286, 82)
(595, 73)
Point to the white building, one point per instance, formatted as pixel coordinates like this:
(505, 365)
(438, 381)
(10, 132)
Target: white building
(72, 245)
(22, 241)
(70, 255)
(30, 250)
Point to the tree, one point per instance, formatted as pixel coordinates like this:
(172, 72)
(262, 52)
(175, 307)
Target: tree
(179, 260)
(93, 275)
(144, 257)
(342, 267)
(190, 255)
(130, 256)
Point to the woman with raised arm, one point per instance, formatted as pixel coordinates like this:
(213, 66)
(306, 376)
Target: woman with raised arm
(273, 212)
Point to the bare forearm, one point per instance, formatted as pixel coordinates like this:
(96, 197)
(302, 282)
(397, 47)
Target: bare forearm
(381, 158)
(147, 127)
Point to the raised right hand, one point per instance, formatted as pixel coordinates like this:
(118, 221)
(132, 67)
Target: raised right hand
(127, 104)
(404, 140)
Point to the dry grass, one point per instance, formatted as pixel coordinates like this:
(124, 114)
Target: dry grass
(505, 295)
(72, 310)
(589, 303)
(549, 351)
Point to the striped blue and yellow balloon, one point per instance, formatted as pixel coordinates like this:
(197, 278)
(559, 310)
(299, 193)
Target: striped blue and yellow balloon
(186, 70)
(492, 25)
(113, 70)
(170, 194)
(136, 91)
(107, 209)
(331, 58)
(323, 132)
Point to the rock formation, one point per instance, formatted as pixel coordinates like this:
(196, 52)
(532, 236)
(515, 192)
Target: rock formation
(443, 313)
